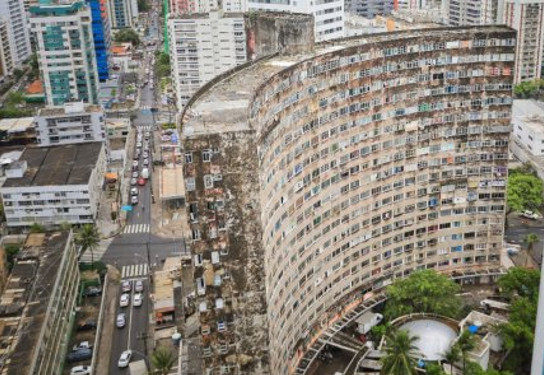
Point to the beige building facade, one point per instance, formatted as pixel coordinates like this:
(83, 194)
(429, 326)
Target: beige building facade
(336, 171)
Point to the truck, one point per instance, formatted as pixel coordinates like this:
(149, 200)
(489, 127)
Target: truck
(145, 173)
(368, 320)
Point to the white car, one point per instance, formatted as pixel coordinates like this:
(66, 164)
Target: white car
(146, 162)
(124, 360)
(134, 199)
(146, 154)
(121, 320)
(135, 163)
(133, 181)
(134, 191)
(530, 215)
(139, 286)
(80, 370)
(138, 299)
(135, 174)
(125, 300)
(139, 144)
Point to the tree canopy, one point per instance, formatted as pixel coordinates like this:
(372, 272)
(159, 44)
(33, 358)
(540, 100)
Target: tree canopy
(400, 354)
(528, 89)
(127, 36)
(524, 191)
(163, 359)
(423, 291)
(521, 285)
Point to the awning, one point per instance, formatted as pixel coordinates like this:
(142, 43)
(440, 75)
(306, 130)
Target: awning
(111, 176)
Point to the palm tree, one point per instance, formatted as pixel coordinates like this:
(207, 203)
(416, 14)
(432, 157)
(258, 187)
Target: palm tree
(530, 240)
(88, 239)
(400, 354)
(466, 343)
(452, 355)
(163, 360)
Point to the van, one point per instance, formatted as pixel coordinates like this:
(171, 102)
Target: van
(80, 355)
(145, 173)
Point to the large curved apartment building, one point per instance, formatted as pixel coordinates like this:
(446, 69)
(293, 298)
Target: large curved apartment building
(316, 177)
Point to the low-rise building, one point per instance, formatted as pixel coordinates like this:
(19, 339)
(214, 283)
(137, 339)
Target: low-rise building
(118, 131)
(70, 123)
(54, 185)
(528, 125)
(37, 308)
(18, 130)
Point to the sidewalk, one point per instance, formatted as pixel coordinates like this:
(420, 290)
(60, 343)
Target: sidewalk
(105, 225)
(111, 298)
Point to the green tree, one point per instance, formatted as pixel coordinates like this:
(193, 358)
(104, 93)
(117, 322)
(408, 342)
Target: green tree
(434, 369)
(423, 291)
(88, 238)
(143, 6)
(400, 354)
(127, 36)
(14, 98)
(163, 359)
(525, 89)
(11, 252)
(524, 192)
(466, 343)
(472, 368)
(530, 241)
(521, 282)
(37, 228)
(519, 332)
(452, 356)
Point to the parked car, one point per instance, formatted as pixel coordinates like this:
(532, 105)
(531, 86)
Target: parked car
(134, 191)
(93, 291)
(138, 299)
(124, 301)
(124, 360)
(530, 215)
(139, 286)
(79, 355)
(146, 162)
(80, 370)
(141, 181)
(86, 326)
(121, 320)
(126, 286)
(139, 144)
(145, 173)
(134, 199)
(146, 154)
(135, 174)
(133, 181)
(135, 163)
(82, 345)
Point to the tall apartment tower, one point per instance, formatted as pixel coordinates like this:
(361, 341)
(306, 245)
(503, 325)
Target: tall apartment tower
(473, 12)
(527, 18)
(122, 13)
(328, 14)
(66, 52)
(370, 8)
(315, 179)
(101, 36)
(203, 46)
(13, 11)
(6, 59)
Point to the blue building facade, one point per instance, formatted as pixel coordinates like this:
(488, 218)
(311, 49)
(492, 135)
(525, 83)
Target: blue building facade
(101, 37)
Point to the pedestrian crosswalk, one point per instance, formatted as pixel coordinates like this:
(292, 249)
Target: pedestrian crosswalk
(145, 110)
(136, 228)
(145, 128)
(134, 270)
(97, 252)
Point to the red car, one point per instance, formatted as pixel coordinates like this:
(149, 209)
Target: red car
(141, 181)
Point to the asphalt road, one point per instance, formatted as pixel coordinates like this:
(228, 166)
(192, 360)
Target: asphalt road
(519, 228)
(138, 249)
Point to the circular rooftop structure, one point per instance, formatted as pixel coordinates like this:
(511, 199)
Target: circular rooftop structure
(435, 337)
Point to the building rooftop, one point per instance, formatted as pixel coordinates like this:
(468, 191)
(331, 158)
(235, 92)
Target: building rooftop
(171, 183)
(117, 123)
(35, 88)
(222, 104)
(57, 165)
(24, 302)
(68, 109)
(16, 125)
(530, 112)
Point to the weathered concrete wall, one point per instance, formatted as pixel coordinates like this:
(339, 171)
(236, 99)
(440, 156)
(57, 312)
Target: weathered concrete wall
(268, 33)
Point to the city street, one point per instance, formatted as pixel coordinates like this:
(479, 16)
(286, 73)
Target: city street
(519, 228)
(135, 252)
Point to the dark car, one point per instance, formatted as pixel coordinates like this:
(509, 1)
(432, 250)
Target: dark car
(93, 291)
(86, 326)
(79, 355)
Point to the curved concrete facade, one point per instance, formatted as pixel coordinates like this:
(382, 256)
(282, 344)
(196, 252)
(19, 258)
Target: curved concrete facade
(376, 157)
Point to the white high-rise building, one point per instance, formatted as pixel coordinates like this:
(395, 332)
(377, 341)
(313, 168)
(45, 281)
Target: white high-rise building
(527, 18)
(369, 8)
(122, 13)
(13, 11)
(203, 46)
(66, 53)
(328, 14)
(472, 12)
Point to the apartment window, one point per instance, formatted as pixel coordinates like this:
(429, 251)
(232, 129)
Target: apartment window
(206, 156)
(188, 157)
(208, 181)
(190, 183)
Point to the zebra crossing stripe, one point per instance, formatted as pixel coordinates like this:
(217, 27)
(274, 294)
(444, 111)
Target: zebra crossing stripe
(134, 270)
(136, 228)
